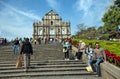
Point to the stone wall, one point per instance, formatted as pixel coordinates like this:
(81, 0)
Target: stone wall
(110, 71)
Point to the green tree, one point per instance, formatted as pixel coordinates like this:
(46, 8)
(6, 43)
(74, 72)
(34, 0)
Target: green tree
(91, 32)
(81, 28)
(117, 2)
(111, 19)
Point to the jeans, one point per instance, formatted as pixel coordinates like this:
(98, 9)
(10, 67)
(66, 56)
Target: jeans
(15, 49)
(97, 65)
(89, 59)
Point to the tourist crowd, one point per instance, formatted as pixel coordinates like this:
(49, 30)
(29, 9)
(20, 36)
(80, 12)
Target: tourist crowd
(95, 55)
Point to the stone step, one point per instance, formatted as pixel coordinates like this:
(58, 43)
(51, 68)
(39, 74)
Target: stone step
(49, 62)
(39, 67)
(5, 47)
(49, 65)
(58, 77)
(5, 53)
(20, 70)
(38, 63)
(34, 74)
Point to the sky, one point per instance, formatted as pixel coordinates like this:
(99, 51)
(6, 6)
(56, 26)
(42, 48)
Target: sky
(17, 16)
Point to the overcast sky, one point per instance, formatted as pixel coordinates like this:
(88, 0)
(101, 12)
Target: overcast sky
(17, 16)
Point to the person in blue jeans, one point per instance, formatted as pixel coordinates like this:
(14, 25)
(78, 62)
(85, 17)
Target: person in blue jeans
(16, 46)
(98, 57)
(89, 52)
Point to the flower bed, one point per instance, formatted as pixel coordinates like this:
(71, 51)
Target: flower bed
(112, 58)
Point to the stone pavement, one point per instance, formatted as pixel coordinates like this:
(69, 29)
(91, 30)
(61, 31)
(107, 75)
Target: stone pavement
(47, 62)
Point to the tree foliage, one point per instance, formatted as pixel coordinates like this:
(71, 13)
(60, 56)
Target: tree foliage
(111, 19)
(81, 27)
(84, 32)
(117, 2)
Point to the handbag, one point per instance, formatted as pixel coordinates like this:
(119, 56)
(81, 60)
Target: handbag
(64, 50)
(89, 68)
(19, 61)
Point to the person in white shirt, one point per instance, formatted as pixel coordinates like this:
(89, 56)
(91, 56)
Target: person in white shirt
(89, 52)
(81, 50)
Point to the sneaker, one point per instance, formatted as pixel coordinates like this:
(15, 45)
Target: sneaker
(97, 75)
(76, 59)
(25, 70)
(65, 59)
(68, 59)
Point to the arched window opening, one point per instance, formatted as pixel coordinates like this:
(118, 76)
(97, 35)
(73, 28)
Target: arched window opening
(51, 22)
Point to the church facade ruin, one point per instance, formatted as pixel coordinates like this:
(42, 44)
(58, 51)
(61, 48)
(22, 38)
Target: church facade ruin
(51, 26)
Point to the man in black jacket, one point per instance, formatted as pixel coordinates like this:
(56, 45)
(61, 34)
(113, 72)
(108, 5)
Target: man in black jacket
(26, 50)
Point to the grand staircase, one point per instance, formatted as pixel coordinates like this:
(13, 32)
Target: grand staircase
(47, 62)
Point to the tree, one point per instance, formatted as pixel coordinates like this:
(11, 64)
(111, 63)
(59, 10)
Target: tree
(111, 19)
(101, 30)
(91, 32)
(81, 28)
(84, 32)
(117, 2)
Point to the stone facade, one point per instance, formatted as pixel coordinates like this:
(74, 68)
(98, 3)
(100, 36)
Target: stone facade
(51, 26)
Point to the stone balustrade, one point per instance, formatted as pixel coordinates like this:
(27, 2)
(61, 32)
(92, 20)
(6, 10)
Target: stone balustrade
(110, 71)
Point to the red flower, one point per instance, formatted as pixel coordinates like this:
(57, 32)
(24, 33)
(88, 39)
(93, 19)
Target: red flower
(107, 53)
(117, 59)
